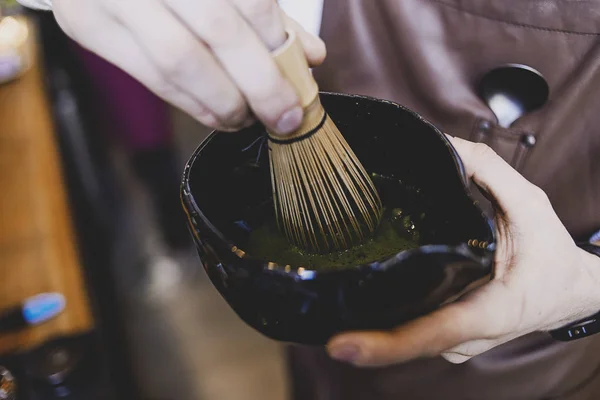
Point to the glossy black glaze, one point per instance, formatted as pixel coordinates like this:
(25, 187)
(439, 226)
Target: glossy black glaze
(227, 180)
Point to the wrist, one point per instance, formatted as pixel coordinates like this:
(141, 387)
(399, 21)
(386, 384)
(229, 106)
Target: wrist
(585, 318)
(590, 262)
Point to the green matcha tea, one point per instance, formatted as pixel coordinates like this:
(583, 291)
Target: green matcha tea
(396, 232)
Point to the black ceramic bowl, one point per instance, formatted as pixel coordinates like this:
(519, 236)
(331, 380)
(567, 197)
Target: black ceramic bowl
(226, 193)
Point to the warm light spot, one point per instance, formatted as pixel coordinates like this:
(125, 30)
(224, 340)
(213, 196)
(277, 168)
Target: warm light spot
(13, 33)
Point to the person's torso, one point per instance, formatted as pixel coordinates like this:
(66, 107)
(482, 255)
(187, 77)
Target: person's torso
(429, 56)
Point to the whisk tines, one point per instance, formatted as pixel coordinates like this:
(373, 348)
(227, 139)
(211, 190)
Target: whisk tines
(324, 198)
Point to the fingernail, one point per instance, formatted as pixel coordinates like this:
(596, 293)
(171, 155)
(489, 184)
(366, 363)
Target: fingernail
(290, 121)
(345, 352)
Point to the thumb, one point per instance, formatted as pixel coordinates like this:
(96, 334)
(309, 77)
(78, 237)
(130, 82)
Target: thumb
(427, 336)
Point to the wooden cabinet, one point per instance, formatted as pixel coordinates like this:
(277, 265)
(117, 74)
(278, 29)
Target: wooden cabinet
(37, 244)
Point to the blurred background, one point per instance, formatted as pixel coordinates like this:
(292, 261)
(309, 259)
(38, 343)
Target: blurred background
(91, 163)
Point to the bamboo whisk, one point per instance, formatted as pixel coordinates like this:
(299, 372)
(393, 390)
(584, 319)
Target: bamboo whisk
(324, 199)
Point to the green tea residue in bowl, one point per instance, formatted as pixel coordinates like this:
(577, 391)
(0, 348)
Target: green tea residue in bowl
(396, 233)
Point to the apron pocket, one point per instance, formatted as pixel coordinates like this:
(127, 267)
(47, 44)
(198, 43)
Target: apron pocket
(513, 145)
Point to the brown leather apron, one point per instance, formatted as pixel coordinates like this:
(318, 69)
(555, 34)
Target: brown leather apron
(429, 55)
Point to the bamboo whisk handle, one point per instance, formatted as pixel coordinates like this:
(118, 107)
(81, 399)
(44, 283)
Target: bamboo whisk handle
(292, 63)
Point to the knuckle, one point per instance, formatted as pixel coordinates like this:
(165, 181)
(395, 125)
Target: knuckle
(257, 10)
(177, 66)
(221, 28)
(79, 23)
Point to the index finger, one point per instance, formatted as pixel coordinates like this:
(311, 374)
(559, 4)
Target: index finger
(245, 58)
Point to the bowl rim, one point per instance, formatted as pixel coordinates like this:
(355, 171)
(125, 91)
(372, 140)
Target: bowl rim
(304, 273)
